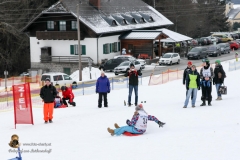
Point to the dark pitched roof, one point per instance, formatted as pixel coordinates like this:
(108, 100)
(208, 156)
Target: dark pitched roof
(233, 13)
(114, 15)
(235, 1)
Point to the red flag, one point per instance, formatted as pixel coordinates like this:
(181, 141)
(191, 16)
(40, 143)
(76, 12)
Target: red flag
(22, 104)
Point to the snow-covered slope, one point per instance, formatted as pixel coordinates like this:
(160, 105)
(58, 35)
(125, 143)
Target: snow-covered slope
(201, 133)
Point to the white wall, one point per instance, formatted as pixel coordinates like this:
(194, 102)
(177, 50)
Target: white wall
(62, 47)
(104, 40)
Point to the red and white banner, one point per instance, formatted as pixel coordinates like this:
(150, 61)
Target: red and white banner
(22, 104)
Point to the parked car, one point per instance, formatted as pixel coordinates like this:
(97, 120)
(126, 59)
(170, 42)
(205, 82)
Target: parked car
(203, 41)
(125, 66)
(238, 40)
(234, 45)
(224, 47)
(112, 63)
(58, 79)
(128, 57)
(214, 50)
(24, 74)
(197, 53)
(142, 62)
(169, 58)
(194, 42)
(224, 38)
(209, 40)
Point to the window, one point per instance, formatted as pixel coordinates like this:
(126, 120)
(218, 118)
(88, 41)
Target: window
(74, 25)
(57, 78)
(62, 25)
(119, 46)
(137, 63)
(106, 49)
(74, 49)
(44, 77)
(50, 25)
(66, 77)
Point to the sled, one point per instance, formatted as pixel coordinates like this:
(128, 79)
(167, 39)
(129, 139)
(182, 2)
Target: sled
(62, 106)
(130, 134)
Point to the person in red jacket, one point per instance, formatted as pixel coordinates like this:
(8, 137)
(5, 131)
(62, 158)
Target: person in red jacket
(67, 95)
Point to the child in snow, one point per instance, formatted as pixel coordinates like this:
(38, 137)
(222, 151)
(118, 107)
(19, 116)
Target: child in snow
(57, 101)
(137, 125)
(67, 95)
(236, 56)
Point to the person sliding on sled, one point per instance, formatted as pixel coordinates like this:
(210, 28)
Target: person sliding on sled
(57, 101)
(137, 125)
(67, 95)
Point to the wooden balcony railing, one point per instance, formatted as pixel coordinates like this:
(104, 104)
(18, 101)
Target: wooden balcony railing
(58, 35)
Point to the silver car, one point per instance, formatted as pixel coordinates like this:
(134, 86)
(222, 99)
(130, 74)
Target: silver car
(125, 66)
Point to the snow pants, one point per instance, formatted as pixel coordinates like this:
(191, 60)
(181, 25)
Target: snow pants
(123, 129)
(48, 111)
(207, 92)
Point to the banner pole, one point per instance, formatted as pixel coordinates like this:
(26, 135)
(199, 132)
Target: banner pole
(30, 101)
(14, 105)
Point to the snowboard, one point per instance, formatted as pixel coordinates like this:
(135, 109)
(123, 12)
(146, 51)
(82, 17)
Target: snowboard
(131, 134)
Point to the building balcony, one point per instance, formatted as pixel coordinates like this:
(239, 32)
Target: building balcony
(58, 35)
(64, 59)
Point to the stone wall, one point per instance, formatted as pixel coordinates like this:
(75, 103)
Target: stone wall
(57, 67)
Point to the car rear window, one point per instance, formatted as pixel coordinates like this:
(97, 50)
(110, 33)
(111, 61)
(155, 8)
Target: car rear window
(44, 77)
(58, 78)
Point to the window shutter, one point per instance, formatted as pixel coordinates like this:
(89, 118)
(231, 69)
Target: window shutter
(119, 46)
(72, 49)
(83, 49)
(104, 49)
(110, 47)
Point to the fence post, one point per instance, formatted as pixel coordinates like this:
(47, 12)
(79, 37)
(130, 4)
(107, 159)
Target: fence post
(168, 75)
(177, 73)
(150, 78)
(112, 84)
(83, 87)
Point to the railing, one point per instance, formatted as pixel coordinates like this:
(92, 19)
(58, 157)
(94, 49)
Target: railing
(64, 59)
(57, 35)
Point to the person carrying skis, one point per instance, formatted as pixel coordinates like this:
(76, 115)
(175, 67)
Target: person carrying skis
(137, 125)
(57, 101)
(192, 85)
(206, 75)
(219, 76)
(67, 95)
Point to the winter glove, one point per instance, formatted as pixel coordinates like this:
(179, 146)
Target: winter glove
(198, 88)
(128, 121)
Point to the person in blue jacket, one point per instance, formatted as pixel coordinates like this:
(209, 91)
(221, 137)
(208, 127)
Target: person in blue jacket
(102, 88)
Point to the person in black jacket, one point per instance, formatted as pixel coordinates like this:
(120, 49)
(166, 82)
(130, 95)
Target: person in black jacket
(48, 94)
(133, 83)
(185, 73)
(206, 75)
(219, 76)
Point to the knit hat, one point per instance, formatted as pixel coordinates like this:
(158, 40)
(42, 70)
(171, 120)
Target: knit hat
(102, 72)
(131, 65)
(139, 107)
(47, 79)
(189, 63)
(218, 61)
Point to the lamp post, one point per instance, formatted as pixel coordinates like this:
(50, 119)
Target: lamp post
(79, 46)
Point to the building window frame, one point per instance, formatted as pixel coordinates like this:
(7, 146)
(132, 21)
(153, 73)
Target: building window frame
(74, 25)
(62, 25)
(50, 25)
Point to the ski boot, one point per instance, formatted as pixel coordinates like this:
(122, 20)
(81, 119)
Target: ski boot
(111, 131)
(116, 125)
(160, 124)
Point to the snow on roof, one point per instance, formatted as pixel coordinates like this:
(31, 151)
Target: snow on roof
(236, 6)
(177, 37)
(141, 35)
(233, 13)
(95, 19)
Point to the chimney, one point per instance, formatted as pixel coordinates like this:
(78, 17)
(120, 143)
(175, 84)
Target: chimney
(96, 4)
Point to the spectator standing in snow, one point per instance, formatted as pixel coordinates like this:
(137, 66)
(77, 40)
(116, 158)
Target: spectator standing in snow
(185, 73)
(236, 56)
(102, 88)
(57, 101)
(192, 85)
(206, 75)
(67, 95)
(137, 125)
(219, 76)
(133, 83)
(48, 94)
